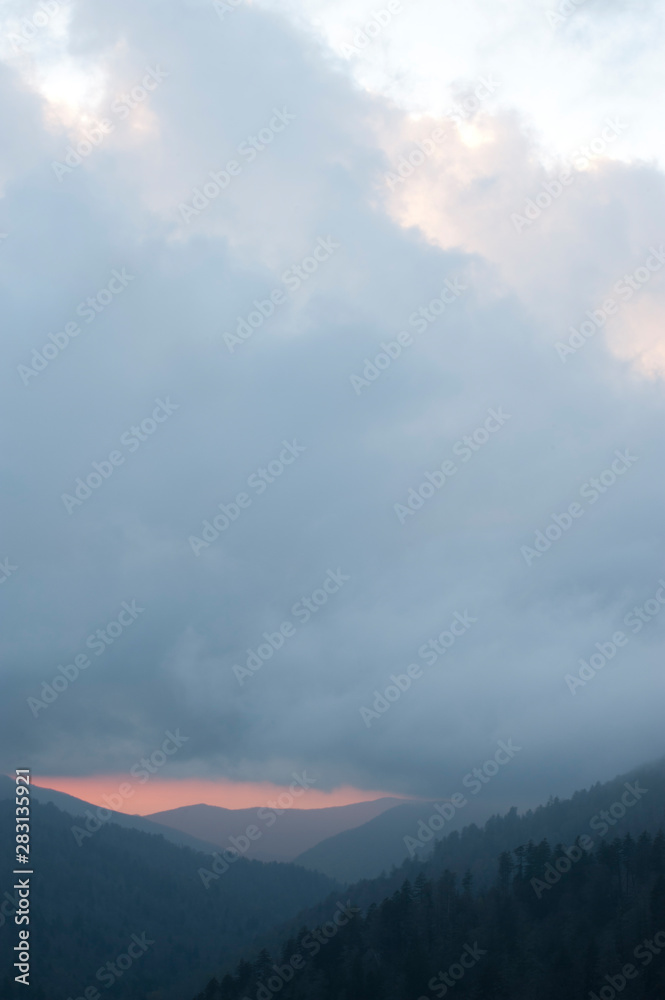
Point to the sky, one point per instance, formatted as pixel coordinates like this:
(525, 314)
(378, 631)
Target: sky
(333, 381)
(157, 794)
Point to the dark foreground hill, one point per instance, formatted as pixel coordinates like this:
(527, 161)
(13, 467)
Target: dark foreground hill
(545, 941)
(126, 896)
(556, 924)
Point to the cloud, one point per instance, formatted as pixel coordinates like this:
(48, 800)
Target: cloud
(322, 178)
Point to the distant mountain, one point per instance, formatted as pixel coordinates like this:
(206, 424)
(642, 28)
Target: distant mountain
(598, 812)
(378, 845)
(275, 835)
(78, 807)
(128, 910)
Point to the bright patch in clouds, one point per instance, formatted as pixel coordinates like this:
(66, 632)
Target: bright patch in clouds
(562, 78)
(73, 94)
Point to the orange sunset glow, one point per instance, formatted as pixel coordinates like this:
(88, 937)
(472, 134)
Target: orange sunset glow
(157, 796)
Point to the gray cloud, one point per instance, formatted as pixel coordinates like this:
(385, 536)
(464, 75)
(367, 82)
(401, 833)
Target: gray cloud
(334, 507)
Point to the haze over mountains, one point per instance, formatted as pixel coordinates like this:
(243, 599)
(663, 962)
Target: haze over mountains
(346, 843)
(209, 920)
(277, 834)
(281, 834)
(378, 845)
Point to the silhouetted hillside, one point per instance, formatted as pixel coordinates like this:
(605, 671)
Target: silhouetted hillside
(555, 924)
(601, 813)
(91, 902)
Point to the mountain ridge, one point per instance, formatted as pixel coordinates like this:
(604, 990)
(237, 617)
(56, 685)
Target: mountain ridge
(83, 810)
(274, 834)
